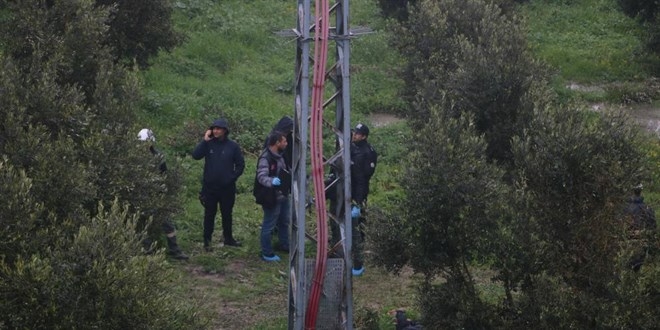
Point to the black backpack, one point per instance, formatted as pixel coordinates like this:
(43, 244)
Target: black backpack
(263, 195)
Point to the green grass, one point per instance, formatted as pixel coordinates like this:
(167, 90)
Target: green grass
(588, 41)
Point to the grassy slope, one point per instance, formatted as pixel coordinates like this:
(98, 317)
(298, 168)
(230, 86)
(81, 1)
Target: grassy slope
(232, 62)
(589, 42)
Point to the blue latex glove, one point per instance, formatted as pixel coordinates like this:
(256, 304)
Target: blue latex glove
(276, 182)
(355, 211)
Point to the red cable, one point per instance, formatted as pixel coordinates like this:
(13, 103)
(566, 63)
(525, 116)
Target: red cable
(316, 137)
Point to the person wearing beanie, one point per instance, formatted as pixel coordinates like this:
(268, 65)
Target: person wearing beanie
(173, 248)
(223, 165)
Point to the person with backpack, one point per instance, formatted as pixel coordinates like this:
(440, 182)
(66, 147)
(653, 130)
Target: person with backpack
(223, 165)
(173, 248)
(363, 165)
(272, 185)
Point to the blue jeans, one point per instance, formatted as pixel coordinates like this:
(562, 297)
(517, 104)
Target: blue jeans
(278, 215)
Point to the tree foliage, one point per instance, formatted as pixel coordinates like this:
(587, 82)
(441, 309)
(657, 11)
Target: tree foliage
(97, 281)
(545, 219)
(138, 30)
(573, 172)
(68, 151)
(448, 219)
(647, 12)
(478, 58)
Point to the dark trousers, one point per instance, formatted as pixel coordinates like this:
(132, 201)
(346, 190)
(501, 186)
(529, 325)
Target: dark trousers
(225, 198)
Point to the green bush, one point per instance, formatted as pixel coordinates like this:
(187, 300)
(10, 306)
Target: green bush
(97, 280)
(573, 172)
(471, 53)
(69, 151)
(138, 30)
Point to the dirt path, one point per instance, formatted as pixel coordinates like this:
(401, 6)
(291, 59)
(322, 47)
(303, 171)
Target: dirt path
(383, 119)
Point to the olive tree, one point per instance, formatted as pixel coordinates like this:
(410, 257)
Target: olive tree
(476, 56)
(68, 152)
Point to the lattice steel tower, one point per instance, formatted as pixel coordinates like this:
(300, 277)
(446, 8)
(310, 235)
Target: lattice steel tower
(335, 302)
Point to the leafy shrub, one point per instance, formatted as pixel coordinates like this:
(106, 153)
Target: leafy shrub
(645, 10)
(138, 30)
(477, 57)
(69, 151)
(98, 281)
(634, 93)
(572, 170)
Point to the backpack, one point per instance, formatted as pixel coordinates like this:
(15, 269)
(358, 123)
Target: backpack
(263, 195)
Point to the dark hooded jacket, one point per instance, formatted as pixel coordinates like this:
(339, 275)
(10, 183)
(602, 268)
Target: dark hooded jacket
(223, 160)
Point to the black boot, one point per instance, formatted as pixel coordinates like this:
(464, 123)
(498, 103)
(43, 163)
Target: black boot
(174, 249)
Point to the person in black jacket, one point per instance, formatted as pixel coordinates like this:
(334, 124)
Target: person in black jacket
(272, 188)
(147, 135)
(363, 166)
(223, 164)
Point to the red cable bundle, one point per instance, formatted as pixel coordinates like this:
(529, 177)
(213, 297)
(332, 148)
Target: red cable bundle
(316, 140)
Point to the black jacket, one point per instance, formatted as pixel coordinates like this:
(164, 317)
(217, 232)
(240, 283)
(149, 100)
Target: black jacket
(363, 164)
(223, 162)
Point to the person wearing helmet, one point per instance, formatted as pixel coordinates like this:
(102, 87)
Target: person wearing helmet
(223, 165)
(174, 250)
(363, 166)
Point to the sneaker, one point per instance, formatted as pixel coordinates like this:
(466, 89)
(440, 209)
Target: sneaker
(272, 257)
(358, 271)
(233, 242)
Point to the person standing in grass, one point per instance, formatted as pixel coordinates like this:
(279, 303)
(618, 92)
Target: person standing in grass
(363, 166)
(272, 185)
(223, 165)
(173, 250)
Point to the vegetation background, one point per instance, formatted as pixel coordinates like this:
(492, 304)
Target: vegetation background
(229, 62)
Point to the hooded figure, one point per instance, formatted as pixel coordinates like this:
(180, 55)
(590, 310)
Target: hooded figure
(223, 165)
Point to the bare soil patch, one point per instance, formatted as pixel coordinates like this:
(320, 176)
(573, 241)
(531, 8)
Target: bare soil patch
(383, 119)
